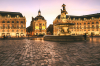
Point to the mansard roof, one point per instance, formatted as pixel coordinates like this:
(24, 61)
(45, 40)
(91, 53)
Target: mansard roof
(12, 14)
(39, 17)
(97, 15)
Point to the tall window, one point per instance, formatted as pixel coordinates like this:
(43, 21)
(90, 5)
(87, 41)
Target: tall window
(12, 30)
(3, 25)
(97, 22)
(8, 26)
(17, 30)
(84, 27)
(80, 23)
(21, 26)
(7, 30)
(97, 26)
(21, 30)
(12, 25)
(17, 26)
(92, 26)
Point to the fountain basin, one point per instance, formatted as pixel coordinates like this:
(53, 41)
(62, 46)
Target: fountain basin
(64, 38)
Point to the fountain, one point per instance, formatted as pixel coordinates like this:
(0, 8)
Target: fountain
(63, 33)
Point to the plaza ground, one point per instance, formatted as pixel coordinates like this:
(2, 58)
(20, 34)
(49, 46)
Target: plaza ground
(34, 52)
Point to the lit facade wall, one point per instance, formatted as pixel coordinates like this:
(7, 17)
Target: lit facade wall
(40, 27)
(89, 24)
(81, 26)
(12, 26)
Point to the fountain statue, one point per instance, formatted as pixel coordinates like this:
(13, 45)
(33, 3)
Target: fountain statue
(62, 33)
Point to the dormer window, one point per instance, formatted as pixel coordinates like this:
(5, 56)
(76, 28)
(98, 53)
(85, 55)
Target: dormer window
(8, 16)
(84, 18)
(17, 16)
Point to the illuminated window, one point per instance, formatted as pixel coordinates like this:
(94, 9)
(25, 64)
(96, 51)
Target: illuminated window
(17, 16)
(8, 16)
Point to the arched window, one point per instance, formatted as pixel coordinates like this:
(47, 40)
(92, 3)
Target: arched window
(12, 21)
(8, 22)
(3, 21)
(84, 23)
(17, 21)
(97, 22)
(92, 22)
(21, 21)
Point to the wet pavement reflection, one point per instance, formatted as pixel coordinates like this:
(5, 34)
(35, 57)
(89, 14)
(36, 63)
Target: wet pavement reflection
(37, 52)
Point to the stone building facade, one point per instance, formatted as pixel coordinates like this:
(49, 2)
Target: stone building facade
(38, 25)
(89, 24)
(12, 24)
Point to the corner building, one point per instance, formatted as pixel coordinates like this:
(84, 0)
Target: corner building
(38, 25)
(89, 24)
(12, 24)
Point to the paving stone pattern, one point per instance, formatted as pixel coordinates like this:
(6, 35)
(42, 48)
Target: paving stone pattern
(45, 53)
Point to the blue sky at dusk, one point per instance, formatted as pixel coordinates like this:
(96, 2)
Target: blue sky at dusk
(50, 8)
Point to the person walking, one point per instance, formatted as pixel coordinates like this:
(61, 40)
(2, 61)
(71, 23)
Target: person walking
(85, 36)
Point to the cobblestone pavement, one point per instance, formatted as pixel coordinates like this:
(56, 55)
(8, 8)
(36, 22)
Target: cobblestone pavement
(45, 53)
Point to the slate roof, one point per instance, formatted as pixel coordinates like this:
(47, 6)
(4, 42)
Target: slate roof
(12, 14)
(39, 17)
(97, 15)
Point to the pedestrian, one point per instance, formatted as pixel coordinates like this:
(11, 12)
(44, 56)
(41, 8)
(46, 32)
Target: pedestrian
(92, 36)
(85, 36)
(4, 36)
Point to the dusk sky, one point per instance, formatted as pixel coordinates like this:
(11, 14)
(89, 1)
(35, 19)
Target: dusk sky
(50, 8)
